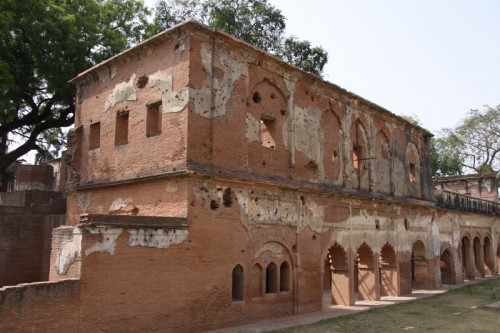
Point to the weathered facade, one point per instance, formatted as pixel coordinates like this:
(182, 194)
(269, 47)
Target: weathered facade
(213, 185)
(477, 186)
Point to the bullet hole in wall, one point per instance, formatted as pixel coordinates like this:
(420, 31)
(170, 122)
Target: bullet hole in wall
(142, 81)
(256, 97)
(214, 205)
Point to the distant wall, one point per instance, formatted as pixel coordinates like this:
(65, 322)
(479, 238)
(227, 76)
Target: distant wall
(42, 307)
(25, 237)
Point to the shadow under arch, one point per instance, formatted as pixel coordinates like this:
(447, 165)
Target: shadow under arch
(389, 275)
(336, 276)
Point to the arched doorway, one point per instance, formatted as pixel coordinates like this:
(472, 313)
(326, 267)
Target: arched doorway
(388, 271)
(467, 269)
(336, 278)
(489, 266)
(478, 257)
(446, 267)
(367, 281)
(419, 266)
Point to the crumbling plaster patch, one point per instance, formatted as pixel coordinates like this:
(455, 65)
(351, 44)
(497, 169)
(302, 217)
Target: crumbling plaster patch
(108, 242)
(172, 101)
(270, 251)
(232, 69)
(123, 91)
(252, 128)
(156, 238)
(119, 204)
(70, 252)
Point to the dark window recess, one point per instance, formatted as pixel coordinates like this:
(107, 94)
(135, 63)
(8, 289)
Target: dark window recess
(413, 173)
(284, 277)
(153, 120)
(356, 156)
(121, 130)
(271, 278)
(95, 136)
(238, 283)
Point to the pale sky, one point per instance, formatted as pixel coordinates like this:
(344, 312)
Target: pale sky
(436, 59)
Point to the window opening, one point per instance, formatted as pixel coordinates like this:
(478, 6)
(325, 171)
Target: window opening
(356, 156)
(153, 120)
(95, 136)
(413, 173)
(271, 278)
(238, 285)
(121, 131)
(285, 277)
(267, 132)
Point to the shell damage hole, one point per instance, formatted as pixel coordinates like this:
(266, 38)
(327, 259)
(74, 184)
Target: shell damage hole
(214, 205)
(256, 97)
(335, 156)
(142, 81)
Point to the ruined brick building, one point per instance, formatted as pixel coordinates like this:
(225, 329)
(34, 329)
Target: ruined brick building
(212, 184)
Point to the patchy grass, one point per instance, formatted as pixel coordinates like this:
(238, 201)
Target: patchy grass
(459, 310)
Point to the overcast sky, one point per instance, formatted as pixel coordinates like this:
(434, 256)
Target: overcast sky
(435, 59)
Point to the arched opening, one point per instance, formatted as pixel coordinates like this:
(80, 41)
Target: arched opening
(388, 271)
(467, 270)
(478, 257)
(367, 282)
(383, 167)
(336, 278)
(238, 283)
(419, 266)
(284, 277)
(488, 257)
(445, 266)
(256, 281)
(271, 279)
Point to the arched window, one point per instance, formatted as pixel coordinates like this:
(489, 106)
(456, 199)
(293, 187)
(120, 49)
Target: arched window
(256, 281)
(238, 283)
(285, 276)
(271, 278)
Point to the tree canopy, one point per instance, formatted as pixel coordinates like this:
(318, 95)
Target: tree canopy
(43, 44)
(472, 146)
(254, 21)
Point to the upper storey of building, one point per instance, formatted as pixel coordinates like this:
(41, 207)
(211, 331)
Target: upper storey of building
(192, 99)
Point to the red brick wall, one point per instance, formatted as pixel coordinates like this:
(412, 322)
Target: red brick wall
(39, 177)
(25, 244)
(42, 307)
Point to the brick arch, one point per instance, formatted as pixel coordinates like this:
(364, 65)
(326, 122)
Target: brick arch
(383, 166)
(466, 256)
(489, 265)
(274, 259)
(477, 246)
(420, 265)
(336, 275)
(413, 167)
(333, 157)
(388, 271)
(365, 273)
(360, 166)
(446, 264)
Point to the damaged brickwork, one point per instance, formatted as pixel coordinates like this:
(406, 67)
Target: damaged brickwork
(214, 185)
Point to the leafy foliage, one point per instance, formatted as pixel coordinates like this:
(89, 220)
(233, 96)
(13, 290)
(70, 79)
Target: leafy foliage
(473, 145)
(254, 21)
(43, 44)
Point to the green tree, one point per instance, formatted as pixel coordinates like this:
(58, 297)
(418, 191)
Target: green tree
(43, 44)
(474, 144)
(255, 21)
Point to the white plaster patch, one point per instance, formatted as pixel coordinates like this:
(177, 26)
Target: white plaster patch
(108, 243)
(171, 101)
(223, 86)
(267, 208)
(252, 132)
(308, 136)
(170, 187)
(124, 91)
(157, 238)
(313, 216)
(70, 252)
(119, 204)
(434, 236)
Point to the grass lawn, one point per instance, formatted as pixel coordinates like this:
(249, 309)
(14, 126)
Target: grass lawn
(459, 310)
